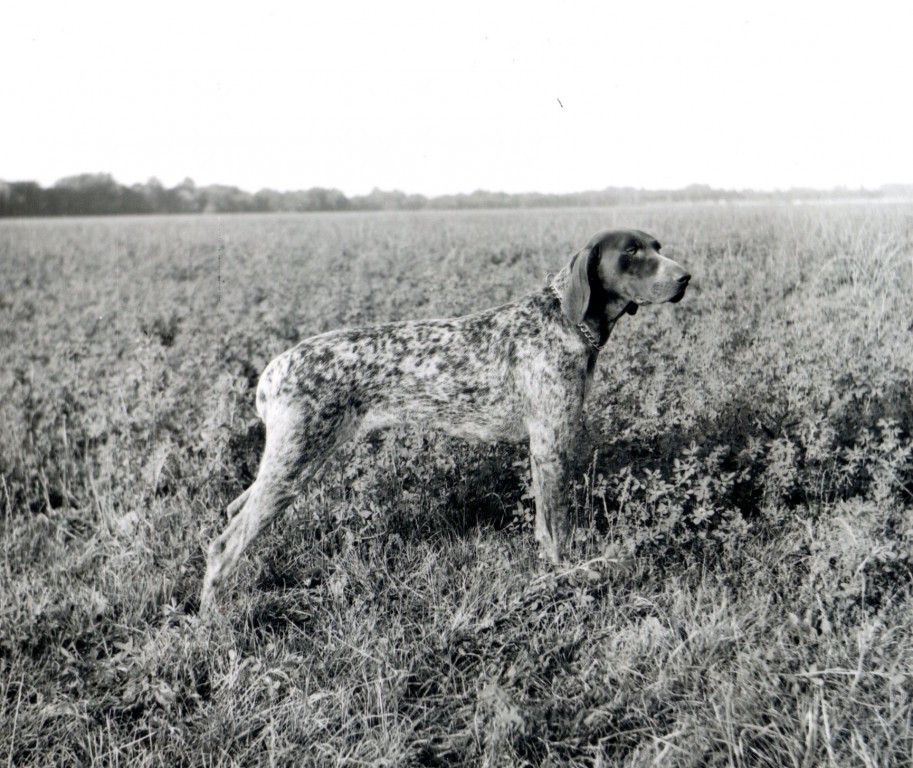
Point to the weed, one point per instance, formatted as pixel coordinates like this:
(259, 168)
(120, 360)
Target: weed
(743, 508)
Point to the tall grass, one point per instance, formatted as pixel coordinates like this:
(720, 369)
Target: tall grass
(745, 516)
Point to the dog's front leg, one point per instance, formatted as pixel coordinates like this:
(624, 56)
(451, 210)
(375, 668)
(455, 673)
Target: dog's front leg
(550, 460)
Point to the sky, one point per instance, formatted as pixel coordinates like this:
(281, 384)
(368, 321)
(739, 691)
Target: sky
(442, 97)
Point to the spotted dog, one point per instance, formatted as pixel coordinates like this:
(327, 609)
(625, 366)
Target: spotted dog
(512, 373)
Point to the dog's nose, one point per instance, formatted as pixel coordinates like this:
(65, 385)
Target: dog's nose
(684, 279)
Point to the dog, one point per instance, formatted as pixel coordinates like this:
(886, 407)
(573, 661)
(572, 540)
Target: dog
(518, 372)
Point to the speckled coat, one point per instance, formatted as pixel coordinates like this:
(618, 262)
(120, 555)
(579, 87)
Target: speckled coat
(512, 373)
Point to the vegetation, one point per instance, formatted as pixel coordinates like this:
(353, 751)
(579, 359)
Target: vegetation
(99, 194)
(744, 526)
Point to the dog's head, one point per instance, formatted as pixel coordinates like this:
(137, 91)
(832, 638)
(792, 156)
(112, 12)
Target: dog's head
(622, 269)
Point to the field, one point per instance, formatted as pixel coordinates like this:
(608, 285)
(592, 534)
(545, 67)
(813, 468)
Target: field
(745, 516)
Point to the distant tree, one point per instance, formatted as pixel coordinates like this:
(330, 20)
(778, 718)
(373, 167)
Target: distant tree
(183, 198)
(25, 199)
(88, 193)
(268, 200)
(218, 198)
(391, 200)
(314, 199)
(321, 199)
(154, 195)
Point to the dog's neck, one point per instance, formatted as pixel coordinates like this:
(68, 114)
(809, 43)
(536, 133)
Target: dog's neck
(602, 312)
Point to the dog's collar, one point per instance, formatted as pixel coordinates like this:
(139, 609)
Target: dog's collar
(582, 327)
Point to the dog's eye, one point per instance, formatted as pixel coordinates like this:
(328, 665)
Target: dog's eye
(631, 250)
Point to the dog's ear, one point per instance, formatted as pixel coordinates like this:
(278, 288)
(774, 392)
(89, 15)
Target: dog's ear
(577, 293)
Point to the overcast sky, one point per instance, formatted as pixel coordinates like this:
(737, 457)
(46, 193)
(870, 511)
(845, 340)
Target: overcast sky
(433, 97)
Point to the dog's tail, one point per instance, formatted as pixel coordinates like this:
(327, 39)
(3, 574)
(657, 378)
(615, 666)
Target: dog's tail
(270, 382)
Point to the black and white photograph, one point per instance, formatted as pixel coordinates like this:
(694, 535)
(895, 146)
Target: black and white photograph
(430, 384)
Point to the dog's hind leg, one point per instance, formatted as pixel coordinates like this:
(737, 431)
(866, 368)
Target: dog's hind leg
(233, 508)
(271, 493)
(295, 450)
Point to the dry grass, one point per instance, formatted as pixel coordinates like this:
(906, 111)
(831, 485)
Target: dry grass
(746, 514)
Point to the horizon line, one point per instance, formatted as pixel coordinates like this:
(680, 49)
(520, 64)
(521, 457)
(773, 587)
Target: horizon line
(187, 181)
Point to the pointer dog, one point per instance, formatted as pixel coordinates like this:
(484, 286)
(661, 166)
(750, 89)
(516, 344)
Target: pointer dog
(512, 373)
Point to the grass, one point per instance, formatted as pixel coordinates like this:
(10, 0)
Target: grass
(745, 515)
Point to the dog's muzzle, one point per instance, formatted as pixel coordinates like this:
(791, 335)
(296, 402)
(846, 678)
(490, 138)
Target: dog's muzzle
(682, 285)
(671, 291)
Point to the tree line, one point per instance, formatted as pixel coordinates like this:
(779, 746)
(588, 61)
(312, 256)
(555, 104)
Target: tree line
(100, 195)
